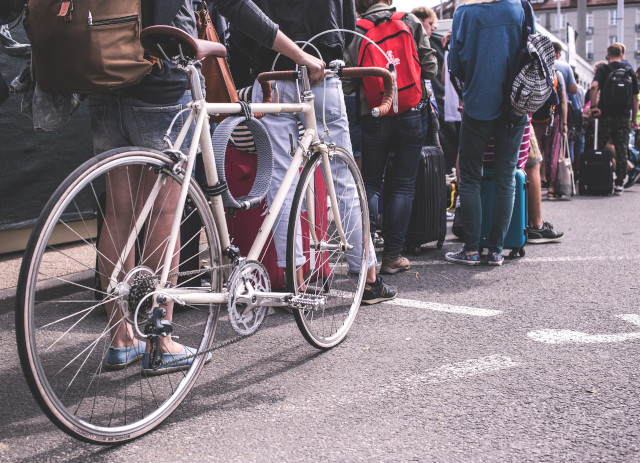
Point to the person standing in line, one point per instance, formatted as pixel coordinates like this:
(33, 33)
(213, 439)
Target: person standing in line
(302, 20)
(616, 116)
(429, 20)
(138, 115)
(485, 39)
(402, 133)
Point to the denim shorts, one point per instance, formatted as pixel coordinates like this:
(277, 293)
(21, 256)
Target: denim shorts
(118, 121)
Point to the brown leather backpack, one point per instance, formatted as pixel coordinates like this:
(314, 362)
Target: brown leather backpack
(89, 46)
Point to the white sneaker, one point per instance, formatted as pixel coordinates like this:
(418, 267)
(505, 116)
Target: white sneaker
(618, 189)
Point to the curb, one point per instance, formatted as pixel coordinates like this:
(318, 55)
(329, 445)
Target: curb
(50, 289)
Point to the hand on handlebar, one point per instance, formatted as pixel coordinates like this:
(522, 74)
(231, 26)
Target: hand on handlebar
(314, 65)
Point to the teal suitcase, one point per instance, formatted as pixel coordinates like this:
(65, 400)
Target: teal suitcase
(516, 236)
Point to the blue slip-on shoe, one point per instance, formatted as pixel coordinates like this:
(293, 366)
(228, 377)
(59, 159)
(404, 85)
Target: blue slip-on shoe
(495, 258)
(120, 357)
(463, 258)
(169, 357)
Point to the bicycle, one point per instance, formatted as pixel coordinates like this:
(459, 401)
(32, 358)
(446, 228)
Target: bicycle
(61, 332)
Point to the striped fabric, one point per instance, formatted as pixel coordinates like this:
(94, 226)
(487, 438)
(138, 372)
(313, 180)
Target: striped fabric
(523, 153)
(241, 137)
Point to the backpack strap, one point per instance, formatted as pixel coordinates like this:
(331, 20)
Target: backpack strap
(528, 19)
(365, 23)
(398, 15)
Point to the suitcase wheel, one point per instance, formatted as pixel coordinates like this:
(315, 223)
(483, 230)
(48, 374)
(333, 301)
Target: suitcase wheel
(440, 244)
(517, 252)
(415, 250)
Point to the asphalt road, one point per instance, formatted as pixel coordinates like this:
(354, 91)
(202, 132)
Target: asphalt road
(533, 361)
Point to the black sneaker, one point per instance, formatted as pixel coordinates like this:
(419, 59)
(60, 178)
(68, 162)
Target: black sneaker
(377, 292)
(633, 177)
(546, 234)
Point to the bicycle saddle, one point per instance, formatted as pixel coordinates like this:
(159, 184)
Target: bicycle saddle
(169, 42)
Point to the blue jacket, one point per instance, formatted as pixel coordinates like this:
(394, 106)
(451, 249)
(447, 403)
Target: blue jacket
(485, 38)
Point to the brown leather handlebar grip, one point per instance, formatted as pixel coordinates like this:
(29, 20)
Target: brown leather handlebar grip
(266, 91)
(387, 80)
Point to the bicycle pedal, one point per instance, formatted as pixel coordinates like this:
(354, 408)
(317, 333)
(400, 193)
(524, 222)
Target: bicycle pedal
(308, 302)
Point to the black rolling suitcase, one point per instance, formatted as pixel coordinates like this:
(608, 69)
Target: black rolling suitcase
(595, 176)
(428, 220)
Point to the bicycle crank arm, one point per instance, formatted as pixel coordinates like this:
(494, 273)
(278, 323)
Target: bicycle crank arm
(264, 299)
(304, 302)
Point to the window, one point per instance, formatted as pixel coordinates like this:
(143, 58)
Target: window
(588, 46)
(590, 18)
(563, 21)
(612, 39)
(637, 42)
(613, 17)
(637, 15)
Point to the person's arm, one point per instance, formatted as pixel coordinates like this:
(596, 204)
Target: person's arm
(563, 108)
(283, 44)
(426, 54)
(260, 28)
(455, 45)
(572, 86)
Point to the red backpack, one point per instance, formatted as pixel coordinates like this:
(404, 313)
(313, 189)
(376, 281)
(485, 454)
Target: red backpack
(396, 40)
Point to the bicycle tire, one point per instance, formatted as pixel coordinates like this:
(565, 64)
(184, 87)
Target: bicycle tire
(62, 331)
(329, 274)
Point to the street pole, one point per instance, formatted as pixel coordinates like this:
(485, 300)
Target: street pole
(559, 21)
(582, 28)
(620, 18)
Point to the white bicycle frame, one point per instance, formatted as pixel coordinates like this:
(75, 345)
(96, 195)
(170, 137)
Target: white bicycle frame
(200, 110)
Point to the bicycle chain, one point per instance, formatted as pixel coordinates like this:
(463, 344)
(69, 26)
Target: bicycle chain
(207, 351)
(202, 272)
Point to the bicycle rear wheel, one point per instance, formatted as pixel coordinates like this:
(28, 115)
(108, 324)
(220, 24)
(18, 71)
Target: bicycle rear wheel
(63, 331)
(331, 272)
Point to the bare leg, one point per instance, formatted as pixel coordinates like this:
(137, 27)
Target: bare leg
(126, 190)
(534, 196)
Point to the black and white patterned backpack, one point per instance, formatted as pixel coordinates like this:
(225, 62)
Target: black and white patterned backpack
(530, 83)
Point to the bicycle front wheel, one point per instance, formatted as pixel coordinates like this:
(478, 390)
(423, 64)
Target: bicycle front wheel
(327, 275)
(71, 302)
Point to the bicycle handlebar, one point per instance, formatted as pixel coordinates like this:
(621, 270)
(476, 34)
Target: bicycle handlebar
(387, 80)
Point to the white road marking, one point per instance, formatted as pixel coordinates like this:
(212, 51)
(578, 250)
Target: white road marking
(471, 367)
(551, 336)
(631, 318)
(448, 372)
(457, 309)
(533, 260)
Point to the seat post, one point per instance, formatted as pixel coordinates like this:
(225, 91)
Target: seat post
(194, 82)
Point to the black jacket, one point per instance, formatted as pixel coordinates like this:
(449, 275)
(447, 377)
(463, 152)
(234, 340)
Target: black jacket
(300, 20)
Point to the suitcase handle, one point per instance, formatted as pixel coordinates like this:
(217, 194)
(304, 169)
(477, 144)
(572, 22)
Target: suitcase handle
(595, 134)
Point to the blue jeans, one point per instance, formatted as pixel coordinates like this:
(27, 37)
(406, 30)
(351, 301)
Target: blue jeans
(279, 126)
(403, 134)
(118, 121)
(474, 136)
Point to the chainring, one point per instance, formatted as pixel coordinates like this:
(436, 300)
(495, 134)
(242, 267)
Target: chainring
(247, 277)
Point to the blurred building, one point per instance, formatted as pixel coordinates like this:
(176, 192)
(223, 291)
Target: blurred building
(596, 23)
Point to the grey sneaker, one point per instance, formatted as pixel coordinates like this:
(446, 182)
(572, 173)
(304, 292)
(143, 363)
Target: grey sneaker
(377, 292)
(391, 265)
(618, 189)
(546, 234)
